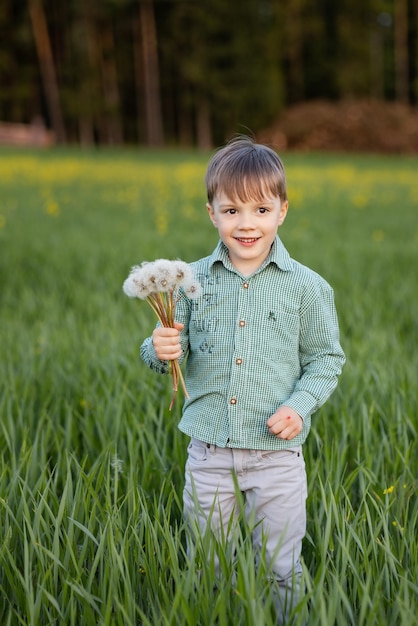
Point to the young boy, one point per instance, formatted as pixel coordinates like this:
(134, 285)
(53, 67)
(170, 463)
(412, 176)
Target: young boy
(263, 351)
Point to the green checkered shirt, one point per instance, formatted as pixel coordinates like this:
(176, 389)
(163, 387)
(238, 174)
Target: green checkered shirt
(253, 344)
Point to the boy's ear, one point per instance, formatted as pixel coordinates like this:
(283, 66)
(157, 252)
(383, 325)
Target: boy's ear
(211, 214)
(283, 212)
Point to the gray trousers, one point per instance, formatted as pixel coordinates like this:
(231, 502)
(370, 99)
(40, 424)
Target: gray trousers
(274, 485)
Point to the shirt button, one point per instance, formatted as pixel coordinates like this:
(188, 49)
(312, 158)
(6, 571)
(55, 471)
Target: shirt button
(233, 401)
(242, 323)
(245, 285)
(238, 361)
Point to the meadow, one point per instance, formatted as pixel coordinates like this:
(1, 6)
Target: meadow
(91, 461)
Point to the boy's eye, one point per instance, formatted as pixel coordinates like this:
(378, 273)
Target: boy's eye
(231, 211)
(263, 209)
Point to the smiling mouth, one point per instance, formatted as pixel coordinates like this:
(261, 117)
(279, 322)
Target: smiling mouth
(247, 239)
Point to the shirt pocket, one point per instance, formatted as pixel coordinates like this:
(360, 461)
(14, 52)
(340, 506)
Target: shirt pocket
(277, 336)
(277, 456)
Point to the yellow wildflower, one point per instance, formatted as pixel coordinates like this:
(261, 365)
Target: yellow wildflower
(378, 235)
(52, 208)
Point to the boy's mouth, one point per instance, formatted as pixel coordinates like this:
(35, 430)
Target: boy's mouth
(247, 240)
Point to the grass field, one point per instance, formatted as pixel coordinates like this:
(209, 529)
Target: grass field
(91, 468)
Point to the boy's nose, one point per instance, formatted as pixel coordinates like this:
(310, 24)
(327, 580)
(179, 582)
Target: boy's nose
(245, 223)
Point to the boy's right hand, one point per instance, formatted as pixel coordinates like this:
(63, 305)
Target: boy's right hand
(166, 342)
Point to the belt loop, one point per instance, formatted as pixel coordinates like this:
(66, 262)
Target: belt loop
(211, 447)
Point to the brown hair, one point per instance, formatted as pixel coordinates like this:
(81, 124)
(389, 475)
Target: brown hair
(246, 170)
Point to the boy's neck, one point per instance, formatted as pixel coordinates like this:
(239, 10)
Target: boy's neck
(247, 269)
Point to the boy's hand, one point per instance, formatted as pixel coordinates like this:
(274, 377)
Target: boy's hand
(166, 342)
(285, 423)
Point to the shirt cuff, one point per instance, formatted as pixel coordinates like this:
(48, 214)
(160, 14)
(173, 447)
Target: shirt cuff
(303, 403)
(150, 358)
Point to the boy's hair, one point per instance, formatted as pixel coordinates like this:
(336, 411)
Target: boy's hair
(246, 170)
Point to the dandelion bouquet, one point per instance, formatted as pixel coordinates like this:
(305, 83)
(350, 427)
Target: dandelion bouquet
(162, 283)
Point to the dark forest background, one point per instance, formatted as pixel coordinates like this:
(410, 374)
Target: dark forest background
(193, 72)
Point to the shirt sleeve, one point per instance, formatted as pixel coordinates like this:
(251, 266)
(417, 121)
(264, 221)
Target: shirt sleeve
(320, 353)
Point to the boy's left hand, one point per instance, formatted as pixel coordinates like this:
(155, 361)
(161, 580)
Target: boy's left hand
(285, 423)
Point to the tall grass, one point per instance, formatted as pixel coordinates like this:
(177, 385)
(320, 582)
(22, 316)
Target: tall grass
(91, 468)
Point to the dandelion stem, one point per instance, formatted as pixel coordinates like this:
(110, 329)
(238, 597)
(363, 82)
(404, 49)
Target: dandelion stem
(175, 371)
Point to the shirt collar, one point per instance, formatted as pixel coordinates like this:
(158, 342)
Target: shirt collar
(277, 255)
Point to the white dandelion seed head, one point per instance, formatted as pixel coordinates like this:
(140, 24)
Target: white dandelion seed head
(193, 289)
(165, 275)
(184, 273)
(135, 286)
(129, 288)
(148, 276)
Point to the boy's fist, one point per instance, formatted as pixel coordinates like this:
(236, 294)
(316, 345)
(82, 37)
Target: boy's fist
(285, 423)
(166, 342)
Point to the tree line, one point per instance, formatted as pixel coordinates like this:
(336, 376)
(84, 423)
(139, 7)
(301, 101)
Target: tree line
(193, 72)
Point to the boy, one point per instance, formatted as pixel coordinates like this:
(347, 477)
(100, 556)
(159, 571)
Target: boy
(263, 355)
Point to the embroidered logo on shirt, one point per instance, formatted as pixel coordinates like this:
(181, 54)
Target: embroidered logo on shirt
(206, 325)
(206, 347)
(272, 316)
(207, 279)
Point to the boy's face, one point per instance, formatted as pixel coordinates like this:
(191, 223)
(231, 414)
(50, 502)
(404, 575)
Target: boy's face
(248, 229)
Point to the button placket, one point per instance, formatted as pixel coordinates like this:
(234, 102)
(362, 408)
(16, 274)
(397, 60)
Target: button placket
(238, 381)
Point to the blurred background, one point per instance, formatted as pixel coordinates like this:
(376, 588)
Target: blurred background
(304, 74)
